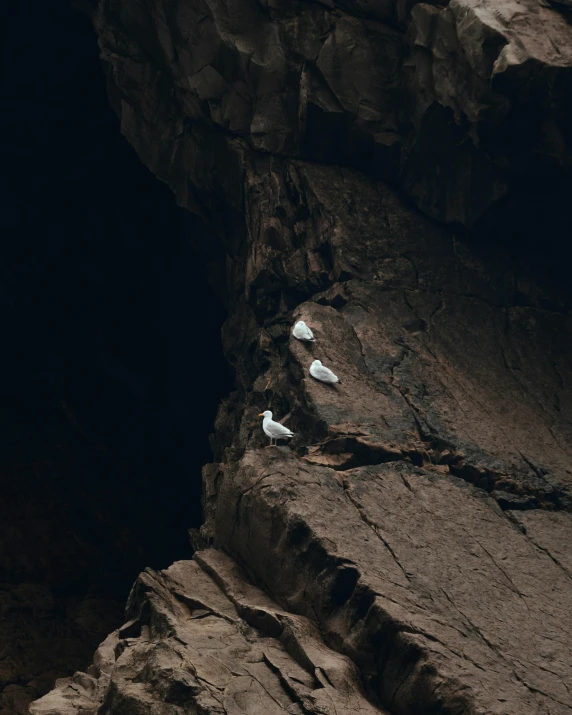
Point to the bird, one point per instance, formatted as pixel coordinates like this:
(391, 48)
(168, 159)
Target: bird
(302, 332)
(324, 374)
(272, 429)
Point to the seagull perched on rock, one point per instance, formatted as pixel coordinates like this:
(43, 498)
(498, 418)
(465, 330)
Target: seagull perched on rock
(272, 429)
(303, 332)
(323, 374)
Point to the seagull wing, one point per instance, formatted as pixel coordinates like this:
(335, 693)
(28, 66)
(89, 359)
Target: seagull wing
(275, 429)
(302, 332)
(324, 374)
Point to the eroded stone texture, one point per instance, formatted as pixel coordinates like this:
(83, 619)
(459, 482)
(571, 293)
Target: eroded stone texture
(201, 638)
(416, 522)
(457, 102)
(415, 575)
(488, 80)
(433, 353)
(376, 525)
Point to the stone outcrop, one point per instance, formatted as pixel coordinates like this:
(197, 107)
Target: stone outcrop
(408, 552)
(201, 638)
(487, 87)
(461, 103)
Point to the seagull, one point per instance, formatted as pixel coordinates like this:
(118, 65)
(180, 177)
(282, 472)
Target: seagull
(322, 373)
(303, 332)
(272, 429)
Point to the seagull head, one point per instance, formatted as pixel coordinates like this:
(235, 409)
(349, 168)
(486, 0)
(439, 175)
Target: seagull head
(317, 362)
(267, 413)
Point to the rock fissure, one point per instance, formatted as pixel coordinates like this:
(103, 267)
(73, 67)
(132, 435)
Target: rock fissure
(376, 531)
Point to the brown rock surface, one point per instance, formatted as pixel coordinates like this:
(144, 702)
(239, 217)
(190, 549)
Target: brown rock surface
(490, 79)
(442, 603)
(461, 103)
(413, 540)
(201, 638)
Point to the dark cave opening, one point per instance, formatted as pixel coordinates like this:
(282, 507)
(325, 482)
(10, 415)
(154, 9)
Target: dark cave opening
(112, 354)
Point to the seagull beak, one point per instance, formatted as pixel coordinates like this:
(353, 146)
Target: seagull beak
(261, 414)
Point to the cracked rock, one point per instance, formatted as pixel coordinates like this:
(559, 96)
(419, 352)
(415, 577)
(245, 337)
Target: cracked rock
(408, 552)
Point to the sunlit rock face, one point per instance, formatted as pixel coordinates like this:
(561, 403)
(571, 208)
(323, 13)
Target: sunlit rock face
(393, 174)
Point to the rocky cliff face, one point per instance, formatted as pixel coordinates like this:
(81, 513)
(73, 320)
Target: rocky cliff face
(367, 167)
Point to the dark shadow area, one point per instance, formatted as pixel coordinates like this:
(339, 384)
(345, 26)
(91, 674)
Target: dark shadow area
(111, 352)
(533, 224)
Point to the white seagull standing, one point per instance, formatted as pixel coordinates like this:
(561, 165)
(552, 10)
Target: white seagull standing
(323, 374)
(303, 332)
(272, 429)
